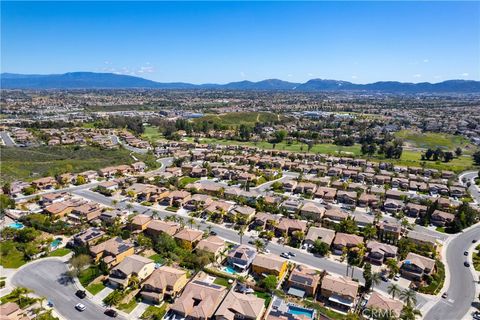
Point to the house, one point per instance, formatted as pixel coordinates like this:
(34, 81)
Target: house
(240, 306)
(188, 238)
(176, 198)
(140, 222)
(87, 211)
(312, 211)
(362, 219)
(327, 194)
(199, 300)
(389, 231)
(139, 166)
(156, 227)
(421, 238)
(164, 282)
(266, 220)
(378, 252)
(198, 201)
(335, 215)
(110, 185)
(306, 188)
(89, 175)
(303, 282)
(340, 292)
(291, 205)
(88, 236)
(441, 218)
(133, 265)
(392, 205)
(213, 244)
(51, 198)
(318, 233)
(378, 301)
(11, 311)
(241, 257)
(289, 185)
(347, 197)
(44, 183)
(242, 213)
(60, 209)
(218, 206)
(112, 251)
(345, 240)
(289, 226)
(368, 200)
(415, 266)
(414, 210)
(110, 216)
(269, 264)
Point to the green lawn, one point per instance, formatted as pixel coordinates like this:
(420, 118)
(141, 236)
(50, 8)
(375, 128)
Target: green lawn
(265, 296)
(128, 307)
(221, 281)
(323, 310)
(10, 257)
(95, 288)
(153, 311)
(157, 258)
(152, 134)
(432, 140)
(88, 275)
(59, 252)
(476, 260)
(186, 180)
(235, 119)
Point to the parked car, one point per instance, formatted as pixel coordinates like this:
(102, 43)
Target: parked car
(81, 294)
(213, 233)
(111, 313)
(384, 277)
(465, 253)
(476, 315)
(466, 264)
(80, 307)
(474, 240)
(291, 254)
(285, 255)
(445, 295)
(396, 277)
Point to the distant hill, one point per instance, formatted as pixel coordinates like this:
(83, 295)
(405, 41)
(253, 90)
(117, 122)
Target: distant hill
(92, 80)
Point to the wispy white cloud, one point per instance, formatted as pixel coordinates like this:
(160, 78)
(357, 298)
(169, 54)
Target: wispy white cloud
(242, 74)
(426, 60)
(145, 69)
(354, 77)
(465, 74)
(418, 75)
(289, 75)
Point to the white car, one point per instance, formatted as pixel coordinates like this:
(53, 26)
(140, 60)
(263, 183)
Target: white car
(80, 307)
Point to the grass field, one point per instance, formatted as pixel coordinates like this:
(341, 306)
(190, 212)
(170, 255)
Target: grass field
(32, 163)
(128, 307)
(409, 157)
(95, 288)
(10, 257)
(186, 180)
(432, 140)
(59, 252)
(152, 134)
(153, 312)
(236, 119)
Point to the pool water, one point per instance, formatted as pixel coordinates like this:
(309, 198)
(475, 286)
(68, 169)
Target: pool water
(55, 243)
(15, 225)
(300, 311)
(229, 269)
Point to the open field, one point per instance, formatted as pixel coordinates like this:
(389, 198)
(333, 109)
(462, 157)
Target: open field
(432, 140)
(152, 134)
(235, 119)
(32, 163)
(409, 157)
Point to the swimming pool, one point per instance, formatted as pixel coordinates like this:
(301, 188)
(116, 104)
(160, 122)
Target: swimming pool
(55, 243)
(229, 269)
(16, 225)
(300, 311)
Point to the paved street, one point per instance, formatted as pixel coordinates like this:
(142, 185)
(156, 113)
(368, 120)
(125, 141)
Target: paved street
(7, 139)
(46, 279)
(461, 290)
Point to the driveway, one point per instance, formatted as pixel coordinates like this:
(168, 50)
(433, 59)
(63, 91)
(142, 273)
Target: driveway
(46, 278)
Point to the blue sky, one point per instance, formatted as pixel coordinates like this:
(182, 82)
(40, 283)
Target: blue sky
(219, 42)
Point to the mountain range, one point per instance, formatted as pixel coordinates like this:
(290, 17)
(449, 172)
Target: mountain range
(92, 80)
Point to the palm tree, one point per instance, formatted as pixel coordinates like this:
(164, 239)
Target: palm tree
(376, 279)
(259, 245)
(410, 313)
(392, 266)
(241, 232)
(209, 228)
(409, 296)
(394, 289)
(191, 222)
(181, 221)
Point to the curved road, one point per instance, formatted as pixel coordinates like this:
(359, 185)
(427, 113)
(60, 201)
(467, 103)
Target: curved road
(46, 278)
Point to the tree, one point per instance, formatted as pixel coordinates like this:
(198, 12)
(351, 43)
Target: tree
(409, 297)
(458, 152)
(80, 180)
(448, 156)
(269, 282)
(476, 158)
(392, 266)
(367, 275)
(369, 231)
(320, 247)
(394, 290)
(259, 245)
(429, 154)
(376, 279)
(409, 313)
(241, 233)
(191, 222)
(279, 136)
(245, 132)
(79, 262)
(348, 226)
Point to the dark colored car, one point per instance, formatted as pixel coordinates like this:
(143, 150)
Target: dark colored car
(81, 294)
(466, 264)
(111, 313)
(213, 233)
(474, 240)
(465, 253)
